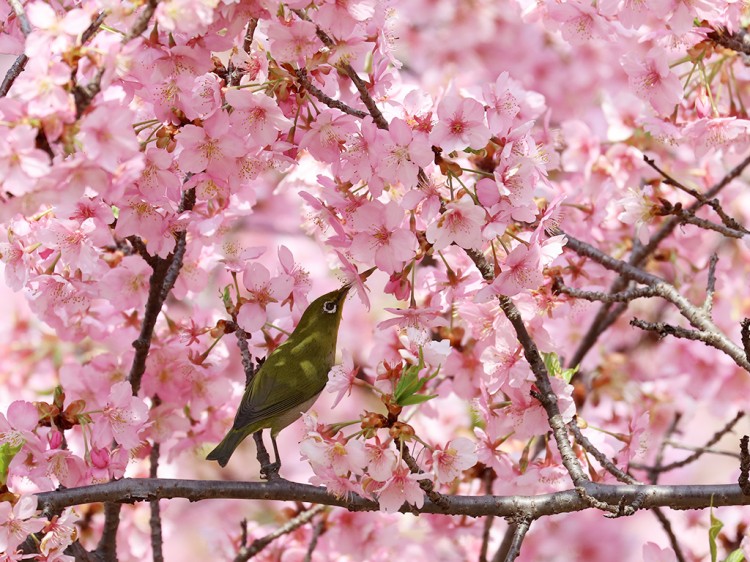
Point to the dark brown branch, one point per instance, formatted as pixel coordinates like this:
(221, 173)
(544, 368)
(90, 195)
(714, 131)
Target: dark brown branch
(738, 41)
(157, 540)
(107, 547)
(161, 281)
(131, 490)
(488, 476)
(13, 72)
(744, 479)
(745, 336)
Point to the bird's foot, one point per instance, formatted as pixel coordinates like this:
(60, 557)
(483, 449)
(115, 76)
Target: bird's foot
(270, 471)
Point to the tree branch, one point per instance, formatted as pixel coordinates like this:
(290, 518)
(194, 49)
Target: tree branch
(131, 490)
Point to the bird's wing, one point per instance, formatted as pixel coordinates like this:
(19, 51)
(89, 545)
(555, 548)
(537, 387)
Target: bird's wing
(291, 378)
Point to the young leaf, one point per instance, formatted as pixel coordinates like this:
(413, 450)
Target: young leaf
(7, 452)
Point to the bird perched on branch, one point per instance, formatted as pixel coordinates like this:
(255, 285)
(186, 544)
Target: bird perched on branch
(291, 378)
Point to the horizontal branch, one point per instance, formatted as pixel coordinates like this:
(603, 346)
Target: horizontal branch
(132, 490)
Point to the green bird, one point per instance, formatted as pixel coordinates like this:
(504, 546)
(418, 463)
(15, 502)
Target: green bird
(291, 378)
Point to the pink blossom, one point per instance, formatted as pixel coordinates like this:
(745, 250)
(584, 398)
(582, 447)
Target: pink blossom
(53, 33)
(461, 124)
(401, 487)
(203, 97)
(379, 236)
(402, 154)
(76, 243)
(21, 163)
(17, 522)
(327, 134)
(651, 78)
(654, 553)
(578, 22)
(354, 277)
(381, 460)
(263, 290)
(107, 136)
(522, 270)
(506, 100)
(210, 148)
(256, 116)
(293, 41)
(448, 463)
(342, 456)
(122, 418)
(60, 533)
(299, 275)
(639, 210)
(341, 377)
(460, 224)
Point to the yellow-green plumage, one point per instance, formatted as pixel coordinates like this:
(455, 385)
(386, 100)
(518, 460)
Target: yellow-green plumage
(291, 378)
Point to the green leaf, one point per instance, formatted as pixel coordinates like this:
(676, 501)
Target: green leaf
(713, 532)
(416, 399)
(554, 368)
(552, 362)
(7, 452)
(736, 556)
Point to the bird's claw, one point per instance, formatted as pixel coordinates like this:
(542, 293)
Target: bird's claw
(270, 471)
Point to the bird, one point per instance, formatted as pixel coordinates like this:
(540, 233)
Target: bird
(291, 378)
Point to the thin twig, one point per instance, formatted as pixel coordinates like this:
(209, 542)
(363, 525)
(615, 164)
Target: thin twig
(603, 319)
(653, 472)
(13, 72)
(245, 553)
(715, 438)
(359, 84)
(323, 97)
(161, 281)
(686, 217)
(745, 336)
(21, 15)
(488, 476)
(424, 483)
(708, 302)
(697, 317)
(318, 528)
(602, 296)
(607, 464)
(667, 526)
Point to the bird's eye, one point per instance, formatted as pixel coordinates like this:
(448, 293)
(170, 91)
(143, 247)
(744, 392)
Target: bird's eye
(330, 307)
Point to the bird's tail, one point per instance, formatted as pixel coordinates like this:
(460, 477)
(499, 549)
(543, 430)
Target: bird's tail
(224, 450)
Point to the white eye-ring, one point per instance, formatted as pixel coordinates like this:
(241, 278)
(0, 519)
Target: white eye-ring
(330, 307)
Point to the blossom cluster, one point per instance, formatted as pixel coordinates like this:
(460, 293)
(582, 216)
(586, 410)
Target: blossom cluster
(174, 174)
